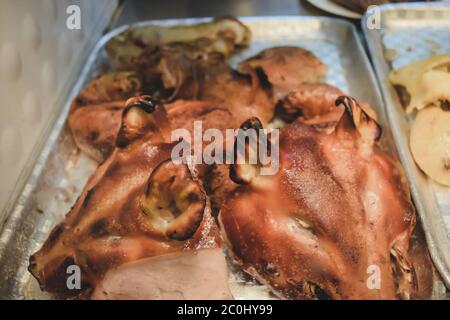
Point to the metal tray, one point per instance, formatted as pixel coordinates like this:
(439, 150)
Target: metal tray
(61, 170)
(408, 33)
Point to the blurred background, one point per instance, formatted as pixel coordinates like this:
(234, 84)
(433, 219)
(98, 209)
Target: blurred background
(134, 10)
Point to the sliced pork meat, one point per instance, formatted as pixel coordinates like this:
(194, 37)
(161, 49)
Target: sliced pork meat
(187, 275)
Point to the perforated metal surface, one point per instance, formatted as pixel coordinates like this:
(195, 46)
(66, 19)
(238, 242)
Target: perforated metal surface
(414, 43)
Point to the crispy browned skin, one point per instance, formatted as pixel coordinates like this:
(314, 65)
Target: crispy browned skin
(337, 206)
(94, 128)
(166, 57)
(119, 217)
(243, 95)
(285, 68)
(158, 61)
(135, 48)
(188, 70)
(313, 104)
(253, 91)
(95, 118)
(95, 114)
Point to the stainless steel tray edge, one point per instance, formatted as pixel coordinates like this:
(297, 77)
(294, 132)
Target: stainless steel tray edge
(427, 208)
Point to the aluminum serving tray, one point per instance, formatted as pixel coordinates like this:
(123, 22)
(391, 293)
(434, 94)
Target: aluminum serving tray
(61, 170)
(411, 32)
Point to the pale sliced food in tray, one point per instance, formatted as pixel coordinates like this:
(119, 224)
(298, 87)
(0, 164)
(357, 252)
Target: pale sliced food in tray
(411, 49)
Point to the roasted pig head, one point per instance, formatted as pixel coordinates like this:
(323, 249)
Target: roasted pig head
(334, 222)
(185, 70)
(251, 91)
(285, 68)
(152, 50)
(315, 105)
(137, 205)
(243, 95)
(221, 36)
(312, 104)
(150, 60)
(95, 115)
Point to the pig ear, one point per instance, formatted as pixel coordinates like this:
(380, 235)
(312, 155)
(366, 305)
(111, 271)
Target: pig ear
(142, 115)
(404, 272)
(174, 202)
(358, 118)
(246, 162)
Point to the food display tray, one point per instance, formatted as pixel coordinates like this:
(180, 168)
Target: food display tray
(409, 33)
(61, 170)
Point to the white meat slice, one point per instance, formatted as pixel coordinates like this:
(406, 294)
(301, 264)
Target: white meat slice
(191, 275)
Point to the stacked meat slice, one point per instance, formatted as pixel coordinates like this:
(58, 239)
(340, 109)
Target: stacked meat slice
(336, 221)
